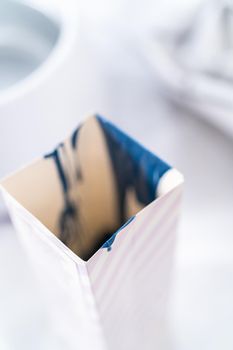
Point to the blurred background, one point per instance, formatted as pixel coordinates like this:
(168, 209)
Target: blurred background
(163, 72)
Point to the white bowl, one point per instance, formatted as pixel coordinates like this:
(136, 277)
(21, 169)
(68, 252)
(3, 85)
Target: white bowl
(38, 51)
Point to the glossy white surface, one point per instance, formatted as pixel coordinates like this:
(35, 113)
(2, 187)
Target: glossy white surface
(120, 84)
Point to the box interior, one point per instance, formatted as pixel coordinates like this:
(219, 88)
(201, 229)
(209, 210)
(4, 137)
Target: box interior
(90, 185)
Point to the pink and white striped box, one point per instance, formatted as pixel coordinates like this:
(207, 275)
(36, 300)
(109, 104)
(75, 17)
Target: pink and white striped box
(98, 219)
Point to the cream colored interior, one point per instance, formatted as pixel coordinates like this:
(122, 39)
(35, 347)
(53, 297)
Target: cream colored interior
(38, 188)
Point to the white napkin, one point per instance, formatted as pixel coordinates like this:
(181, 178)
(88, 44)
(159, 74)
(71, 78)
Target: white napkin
(194, 65)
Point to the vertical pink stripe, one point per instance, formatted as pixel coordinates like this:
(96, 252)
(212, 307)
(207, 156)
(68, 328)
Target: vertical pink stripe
(145, 271)
(139, 252)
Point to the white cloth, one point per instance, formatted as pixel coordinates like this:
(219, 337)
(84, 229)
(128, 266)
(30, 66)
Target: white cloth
(193, 62)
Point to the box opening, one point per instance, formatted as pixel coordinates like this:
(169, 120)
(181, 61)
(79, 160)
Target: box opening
(90, 185)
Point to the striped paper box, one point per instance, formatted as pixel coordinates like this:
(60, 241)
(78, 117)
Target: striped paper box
(98, 218)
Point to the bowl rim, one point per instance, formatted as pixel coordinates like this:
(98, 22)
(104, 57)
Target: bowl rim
(65, 17)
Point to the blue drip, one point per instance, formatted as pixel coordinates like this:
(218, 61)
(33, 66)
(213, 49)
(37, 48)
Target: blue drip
(70, 211)
(60, 170)
(109, 242)
(74, 137)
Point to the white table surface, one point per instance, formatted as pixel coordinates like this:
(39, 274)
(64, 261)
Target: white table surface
(116, 80)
